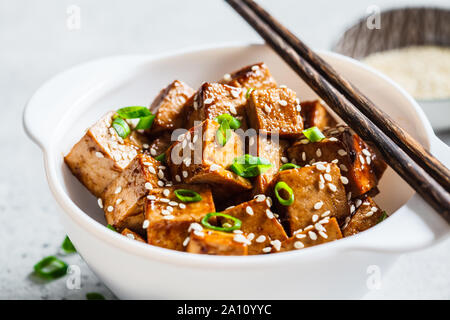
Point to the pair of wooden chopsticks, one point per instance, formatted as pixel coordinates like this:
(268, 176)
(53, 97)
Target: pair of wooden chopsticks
(427, 175)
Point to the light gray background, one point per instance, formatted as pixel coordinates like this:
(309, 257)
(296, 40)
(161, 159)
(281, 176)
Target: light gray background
(35, 44)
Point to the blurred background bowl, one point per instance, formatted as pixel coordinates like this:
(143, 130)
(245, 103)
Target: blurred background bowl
(400, 28)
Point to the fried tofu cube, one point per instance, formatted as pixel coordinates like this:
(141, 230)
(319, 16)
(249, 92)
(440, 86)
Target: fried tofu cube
(196, 160)
(256, 76)
(275, 111)
(315, 115)
(258, 223)
(215, 243)
(348, 150)
(123, 199)
(324, 232)
(101, 155)
(366, 216)
(318, 193)
(132, 235)
(169, 218)
(214, 99)
(169, 107)
(271, 149)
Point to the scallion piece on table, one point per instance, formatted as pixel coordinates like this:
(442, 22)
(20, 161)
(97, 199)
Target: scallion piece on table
(121, 126)
(285, 187)
(248, 166)
(51, 268)
(288, 166)
(313, 134)
(67, 246)
(94, 296)
(187, 195)
(226, 227)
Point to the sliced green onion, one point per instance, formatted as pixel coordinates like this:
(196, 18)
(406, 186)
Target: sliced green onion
(288, 166)
(224, 133)
(110, 227)
(67, 246)
(122, 128)
(161, 158)
(248, 166)
(248, 93)
(284, 186)
(313, 134)
(225, 228)
(232, 121)
(50, 268)
(187, 195)
(133, 112)
(383, 217)
(145, 122)
(94, 296)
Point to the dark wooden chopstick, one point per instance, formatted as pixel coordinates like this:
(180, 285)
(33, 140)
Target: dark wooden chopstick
(382, 120)
(429, 189)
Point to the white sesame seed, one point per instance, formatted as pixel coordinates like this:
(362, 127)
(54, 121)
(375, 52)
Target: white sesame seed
(276, 244)
(323, 234)
(321, 185)
(320, 167)
(151, 197)
(284, 159)
(318, 205)
(164, 200)
(332, 187)
(298, 245)
(315, 217)
(152, 170)
(214, 167)
(269, 201)
(318, 153)
(267, 109)
(100, 202)
(255, 68)
(266, 249)
(118, 190)
(374, 209)
(178, 178)
(249, 210)
(304, 141)
(208, 101)
(169, 217)
(283, 103)
(153, 152)
(145, 224)
(310, 227)
(349, 196)
(319, 227)
(269, 214)
(233, 110)
(332, 139)
(366, 152)
(145, 146)
(260, 198)
(369, 214)
(195, 226)
(328, 177)
(165, 212)
(352, 208)
(148, 186)
(186, 241)
(131, 236)
(303, 156)
(227, 77)
(343, 167)
(368, 160)
(173, 203)
(99, 155)
(160, 183)
(312, 235)
(166, 192)
(299, 108)
(110, 208)
(342, 152)
(182, 206)
(170, 209)
(326, 213)
(358, 202)
(240, 238)
(300, 235)
(344, 180)
(118, 201)
(251, 236)
(185, 174)
(198, 233)
(261, 239)
(361, 159)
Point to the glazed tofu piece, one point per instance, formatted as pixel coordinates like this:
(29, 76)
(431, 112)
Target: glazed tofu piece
(367, 214)
(271, 149)
(132, 235)
(169, 107)
(214, 99)
(256, 76)
(123, 199)
(314, 114)
(318, 193)
(101, 155)
(259, 224)
(354, 157)
(204, 241)
(275, 111)
(196, 160)
(167, 219)
(321, 233)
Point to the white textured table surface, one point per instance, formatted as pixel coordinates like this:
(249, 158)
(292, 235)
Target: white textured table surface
(36, 44)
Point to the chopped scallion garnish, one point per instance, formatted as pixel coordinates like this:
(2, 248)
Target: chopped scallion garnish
(67, 246)
(232, 121)
(94, 296)
(121, 126)
(248, 93)
(313, 134)
(161, 158)
(288, 166)
(50, 268)
(226, 226)
(134, 112)
(110, 227)
(285, 187)
(248, 166)
(145, 122)
(383, 217)
(224, 133)
(187, 195)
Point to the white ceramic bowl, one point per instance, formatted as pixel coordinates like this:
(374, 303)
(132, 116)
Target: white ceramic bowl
(59, 112)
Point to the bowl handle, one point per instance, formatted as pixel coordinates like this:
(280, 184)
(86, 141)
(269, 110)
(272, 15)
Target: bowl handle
(60, 95)
(414, 226)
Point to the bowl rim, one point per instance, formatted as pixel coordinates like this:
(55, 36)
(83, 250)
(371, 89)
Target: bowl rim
(97, 230)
